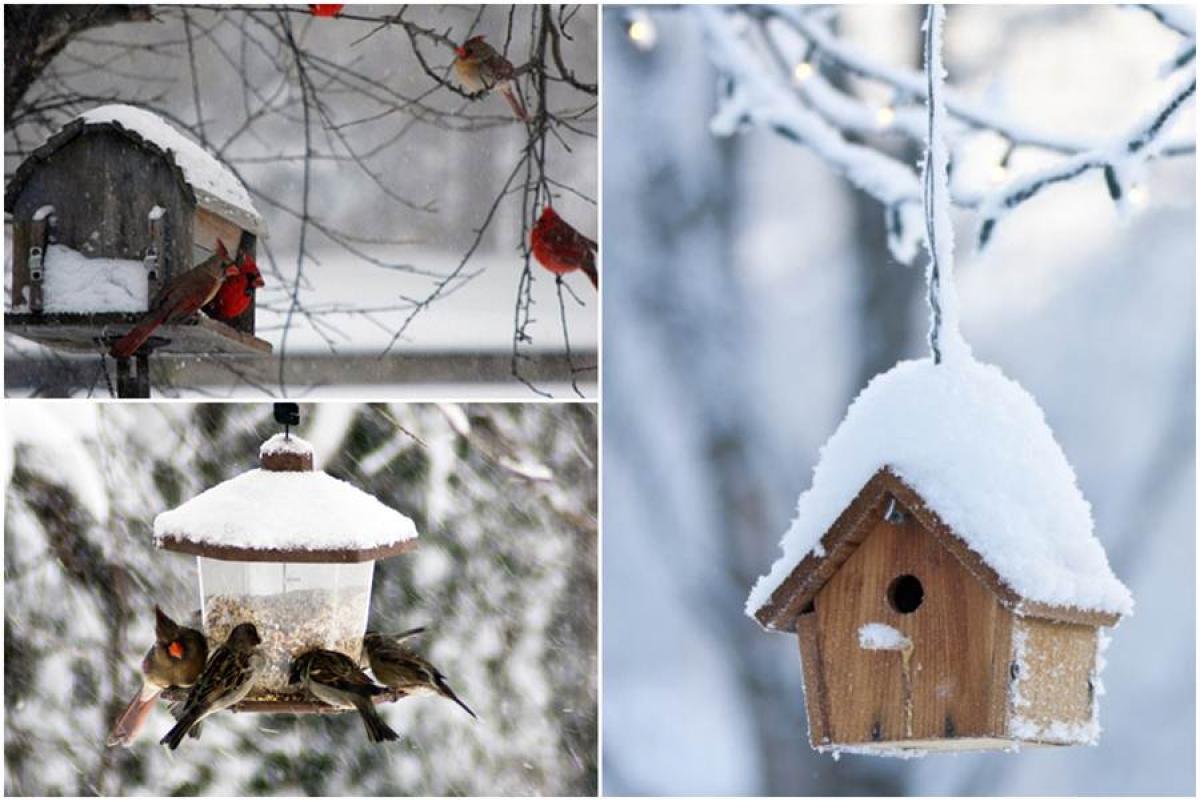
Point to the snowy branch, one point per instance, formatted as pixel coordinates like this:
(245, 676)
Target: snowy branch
(771, 78)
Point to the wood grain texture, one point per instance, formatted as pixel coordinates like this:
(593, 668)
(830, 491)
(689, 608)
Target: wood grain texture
(816, 694)
(851, 528)
(94, 333)
(1056, 668)
(952, 679)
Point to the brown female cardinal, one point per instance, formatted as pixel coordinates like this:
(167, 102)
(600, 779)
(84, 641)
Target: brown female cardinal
(175, 660)
(480, 68)
(237, 292)
(561, 249)
(183, 296)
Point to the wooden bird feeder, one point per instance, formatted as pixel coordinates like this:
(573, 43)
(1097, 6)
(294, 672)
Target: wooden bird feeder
(911, 641)
(103, 213)
(291, 550)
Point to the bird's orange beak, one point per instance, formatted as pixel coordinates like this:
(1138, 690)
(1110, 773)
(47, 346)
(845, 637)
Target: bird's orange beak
(461, 52)
(231, 270)
(175, 649)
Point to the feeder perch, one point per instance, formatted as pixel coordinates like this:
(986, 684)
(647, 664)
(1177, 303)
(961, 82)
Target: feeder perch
(916, 635)
(291, 550)
(103, 214)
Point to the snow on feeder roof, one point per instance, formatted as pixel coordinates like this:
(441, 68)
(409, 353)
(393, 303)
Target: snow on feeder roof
(285, 512)
(976, 448)
(214, 186)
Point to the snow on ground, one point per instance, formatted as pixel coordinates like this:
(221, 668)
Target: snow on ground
(477, 316)
(977, 448)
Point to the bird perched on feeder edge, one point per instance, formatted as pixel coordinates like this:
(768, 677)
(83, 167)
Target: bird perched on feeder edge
(183, 296)
(481, 68)
(561, 249)
(175, 660)
(335, 679)
(226, 680)
(402, 669)
(236, 293)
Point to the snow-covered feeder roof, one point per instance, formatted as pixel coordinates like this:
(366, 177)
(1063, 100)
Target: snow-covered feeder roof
(969, 452)
(285, 512)
(212, 184)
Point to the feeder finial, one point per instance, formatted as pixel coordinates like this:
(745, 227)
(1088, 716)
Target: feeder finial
(287, 415)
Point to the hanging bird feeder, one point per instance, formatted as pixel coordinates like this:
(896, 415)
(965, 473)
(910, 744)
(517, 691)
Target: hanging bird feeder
(292, 550)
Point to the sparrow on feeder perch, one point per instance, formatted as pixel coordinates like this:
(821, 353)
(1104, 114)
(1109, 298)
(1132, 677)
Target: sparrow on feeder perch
(175, 660)
(335, 679)
(402, 669)
(226, 680)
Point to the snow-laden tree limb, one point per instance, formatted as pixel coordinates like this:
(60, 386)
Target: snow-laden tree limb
(759, 88)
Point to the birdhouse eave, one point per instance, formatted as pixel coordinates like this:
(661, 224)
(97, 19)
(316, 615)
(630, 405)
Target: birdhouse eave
(806, 579)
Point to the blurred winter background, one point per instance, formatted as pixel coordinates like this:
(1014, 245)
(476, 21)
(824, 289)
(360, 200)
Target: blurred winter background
(751, 295)
(404, 174)
(504, 498)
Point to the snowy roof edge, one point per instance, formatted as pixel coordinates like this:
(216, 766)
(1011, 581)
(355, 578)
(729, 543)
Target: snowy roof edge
(785, 602)
(243, 212)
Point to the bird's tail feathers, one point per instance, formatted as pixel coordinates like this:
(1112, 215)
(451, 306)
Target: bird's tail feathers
(377, 730)
(446, 692)
(175, 736)
(133, 719)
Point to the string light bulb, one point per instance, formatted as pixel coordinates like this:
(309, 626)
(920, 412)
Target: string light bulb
(885, 116)
(802, 71)
(641, 30)
(1138, 196)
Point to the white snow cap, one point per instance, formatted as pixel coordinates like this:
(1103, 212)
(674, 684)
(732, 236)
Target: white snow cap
(976, 447)
(291, 510)
(285, 443)
(216, 187)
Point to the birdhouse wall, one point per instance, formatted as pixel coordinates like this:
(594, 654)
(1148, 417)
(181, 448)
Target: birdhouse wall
(103, 186)
(951, 689)
(1053, 695)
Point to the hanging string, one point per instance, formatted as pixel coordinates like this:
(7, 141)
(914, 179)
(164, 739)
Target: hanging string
(933, 88)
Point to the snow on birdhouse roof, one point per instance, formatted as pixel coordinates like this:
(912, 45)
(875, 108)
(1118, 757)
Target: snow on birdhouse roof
(215, 186)
(977, 449)
(284, 510)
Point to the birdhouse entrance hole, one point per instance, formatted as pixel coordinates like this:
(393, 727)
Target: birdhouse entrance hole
(905, 594)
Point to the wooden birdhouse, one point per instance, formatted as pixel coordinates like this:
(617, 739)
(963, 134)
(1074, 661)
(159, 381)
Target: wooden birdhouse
(964, 615)
(291, 550)
(106, 211)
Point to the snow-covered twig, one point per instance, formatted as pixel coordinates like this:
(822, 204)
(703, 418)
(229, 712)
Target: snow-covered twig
(762, 91)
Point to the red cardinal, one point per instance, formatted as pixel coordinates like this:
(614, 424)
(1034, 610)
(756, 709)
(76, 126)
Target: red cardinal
(237, 292)
(175, 660)
(480, 68)
(561, 249)
(183, 296)
(326, 9)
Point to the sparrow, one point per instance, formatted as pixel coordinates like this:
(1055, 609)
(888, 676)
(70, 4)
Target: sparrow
(402, 669)
(326, 9)
(226, 680)
(561, 249)
(236, 293)
(183, 296)
(175, 660)
(335, 679)
(480, 68)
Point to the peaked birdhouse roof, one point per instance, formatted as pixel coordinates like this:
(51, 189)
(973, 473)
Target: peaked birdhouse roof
(969, 452)
(212, 184)
(285, 512)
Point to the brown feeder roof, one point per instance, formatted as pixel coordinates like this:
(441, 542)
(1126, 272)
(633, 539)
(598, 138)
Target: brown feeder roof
(851, 529)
